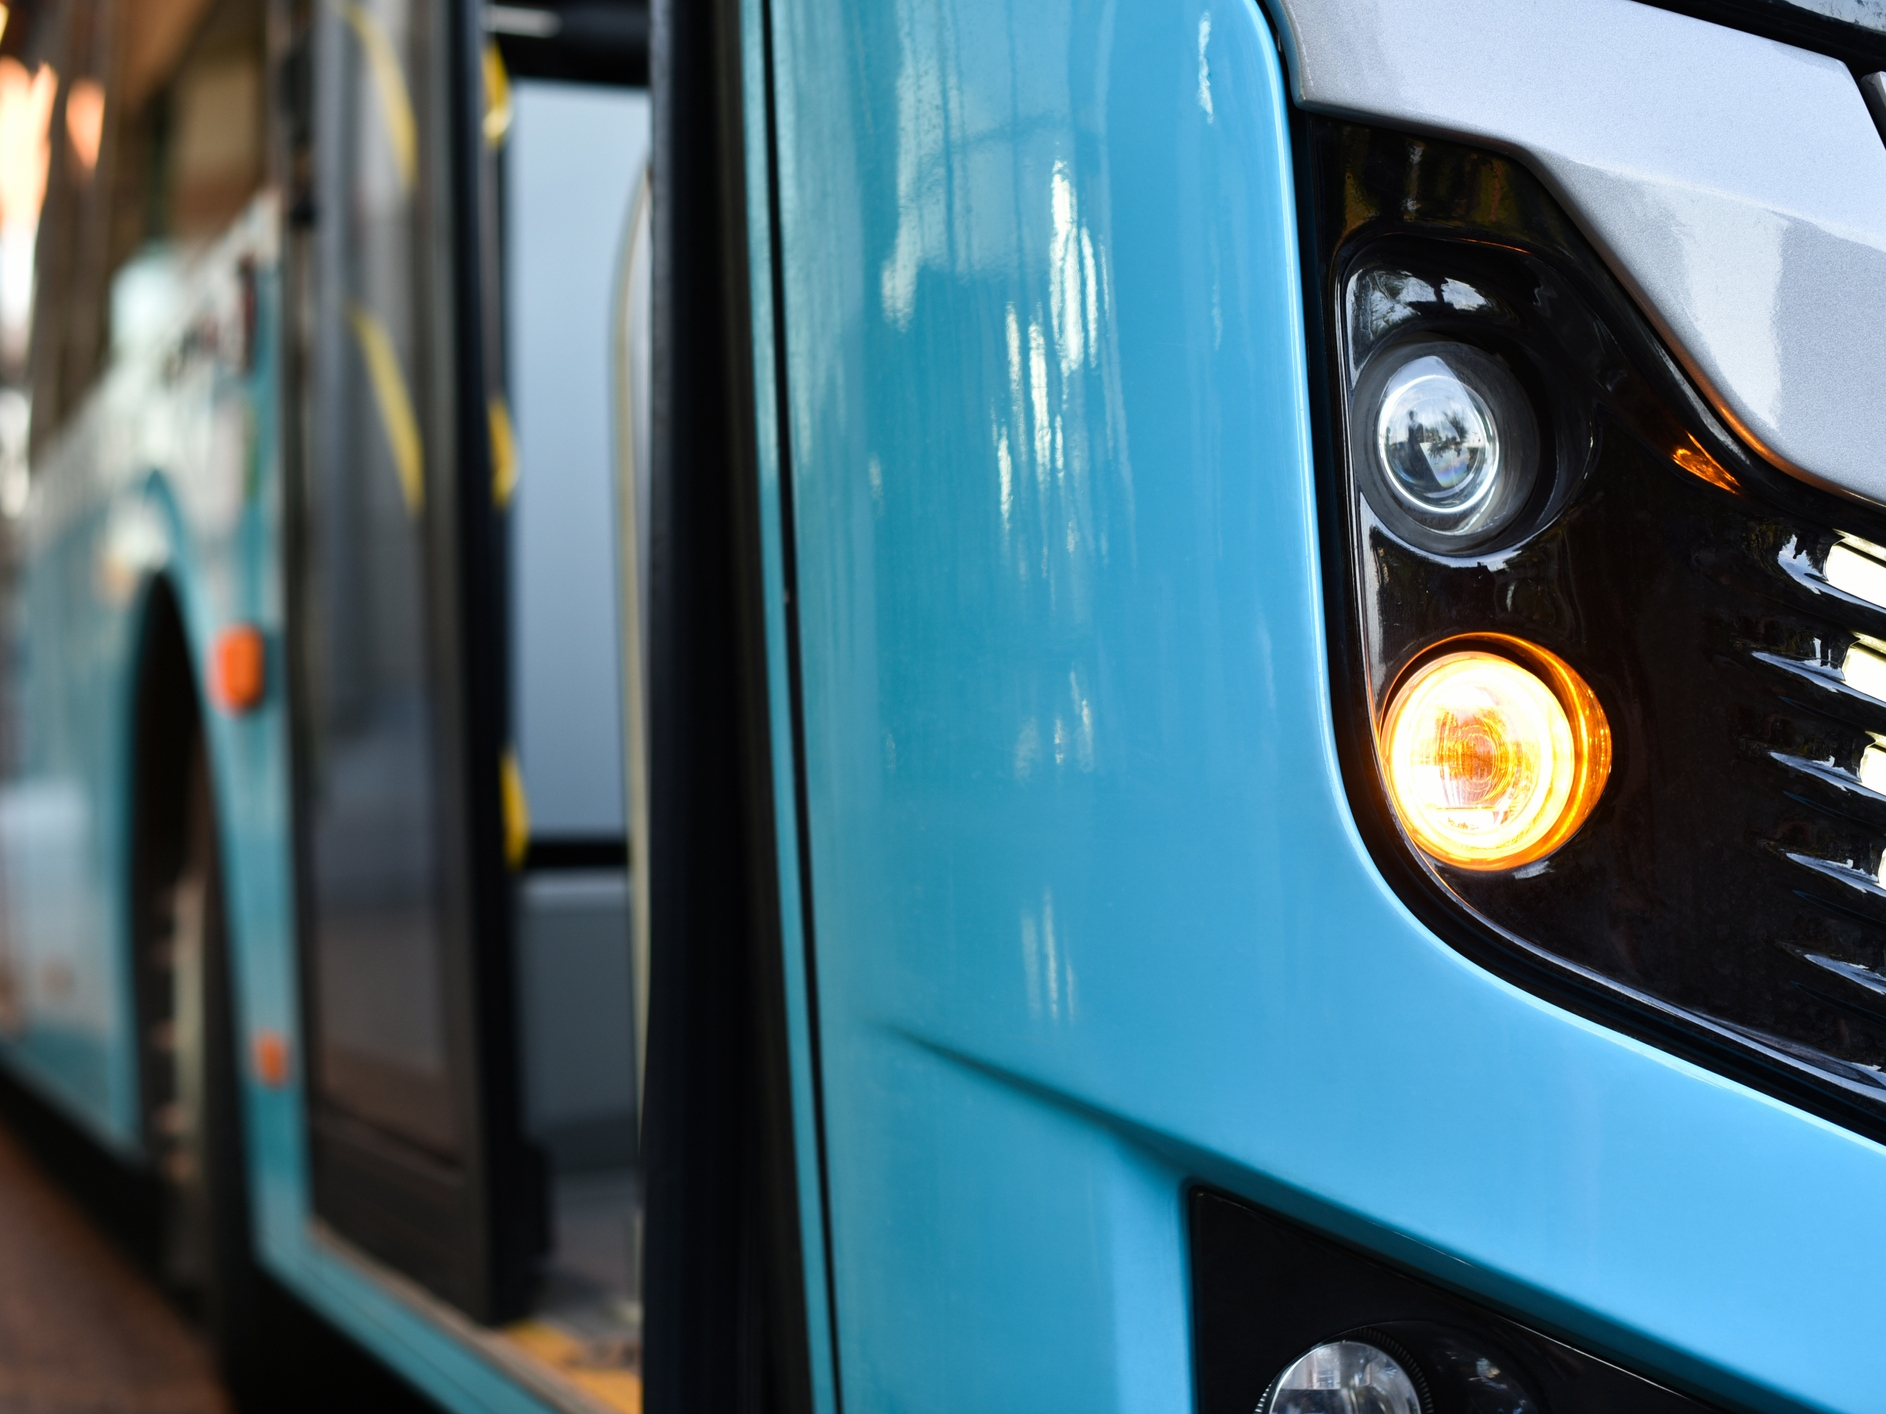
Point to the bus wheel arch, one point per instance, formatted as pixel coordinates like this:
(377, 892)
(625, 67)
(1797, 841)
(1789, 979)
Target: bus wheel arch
(188, 1071)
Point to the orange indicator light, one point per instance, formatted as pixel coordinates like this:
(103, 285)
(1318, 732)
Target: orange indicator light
(238, 668)
(271, 1058)
(1697, 462)
(1495, 754)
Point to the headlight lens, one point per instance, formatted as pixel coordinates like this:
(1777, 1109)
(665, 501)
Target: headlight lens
(1452, 454)
(1343, 1377)
(1437, 439)
(1492, 763)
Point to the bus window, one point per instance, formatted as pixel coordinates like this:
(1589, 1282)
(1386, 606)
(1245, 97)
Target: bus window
(146, 165)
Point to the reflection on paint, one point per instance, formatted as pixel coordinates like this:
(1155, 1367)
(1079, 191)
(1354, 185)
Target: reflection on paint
(1047, 972)
(1204, 67)
(1708, 235)
(1697, 462)
(1061, 424)
(389, 86)
(1027, 222)
(1070, 733)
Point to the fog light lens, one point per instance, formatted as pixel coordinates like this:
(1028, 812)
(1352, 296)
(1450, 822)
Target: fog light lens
(1343, 1377)
(1494, 755)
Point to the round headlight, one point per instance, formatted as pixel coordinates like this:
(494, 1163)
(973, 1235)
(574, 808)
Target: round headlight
(1449, 445)
(1494, 758)
(1437, 439)
(1343, 1377)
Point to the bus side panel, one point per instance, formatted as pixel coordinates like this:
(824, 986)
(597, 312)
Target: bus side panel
(1091, 918)
(164, 472)
(67, 1021)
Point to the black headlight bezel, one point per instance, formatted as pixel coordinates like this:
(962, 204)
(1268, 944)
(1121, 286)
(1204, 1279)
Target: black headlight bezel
(1519, 469)
(1453, 271)
(1604, 368)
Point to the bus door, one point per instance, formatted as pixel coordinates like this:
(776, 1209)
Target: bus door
(467, 177)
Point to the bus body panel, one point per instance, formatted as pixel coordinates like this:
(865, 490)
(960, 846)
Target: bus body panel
(168, 470)
(1090, 915)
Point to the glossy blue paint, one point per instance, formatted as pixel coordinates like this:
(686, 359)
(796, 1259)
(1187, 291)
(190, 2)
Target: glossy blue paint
(1091, 916)
(800, 1023)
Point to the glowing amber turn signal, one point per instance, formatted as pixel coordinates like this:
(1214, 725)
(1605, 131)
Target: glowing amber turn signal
(1495, 754)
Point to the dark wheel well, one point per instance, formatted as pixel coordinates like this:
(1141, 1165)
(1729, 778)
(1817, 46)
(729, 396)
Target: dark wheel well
(275, 1353)
(166, 734)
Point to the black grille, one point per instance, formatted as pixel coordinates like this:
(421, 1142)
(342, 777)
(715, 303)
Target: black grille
(1265, 1290)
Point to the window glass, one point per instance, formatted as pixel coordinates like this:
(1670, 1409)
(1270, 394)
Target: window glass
(372, 749)
(142, 127)
(573, 159)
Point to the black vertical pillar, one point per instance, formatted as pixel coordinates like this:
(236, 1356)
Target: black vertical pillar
(724, 1292)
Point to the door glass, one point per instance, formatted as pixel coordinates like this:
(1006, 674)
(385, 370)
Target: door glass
(370, 734)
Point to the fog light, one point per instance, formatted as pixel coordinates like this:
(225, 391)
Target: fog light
(1494, 755)
(1343, 1377)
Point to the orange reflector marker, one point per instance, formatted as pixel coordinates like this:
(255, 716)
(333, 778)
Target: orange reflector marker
(1495, 754)
(271, 1058)
(238, 668)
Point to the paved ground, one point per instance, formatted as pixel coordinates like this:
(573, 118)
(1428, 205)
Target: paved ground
(80, 1331)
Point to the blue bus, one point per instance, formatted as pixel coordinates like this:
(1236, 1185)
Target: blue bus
(949, 704)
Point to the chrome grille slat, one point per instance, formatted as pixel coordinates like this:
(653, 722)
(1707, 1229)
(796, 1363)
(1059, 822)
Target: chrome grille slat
(1845, 874)
(1822, 771)
(1864, 977)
